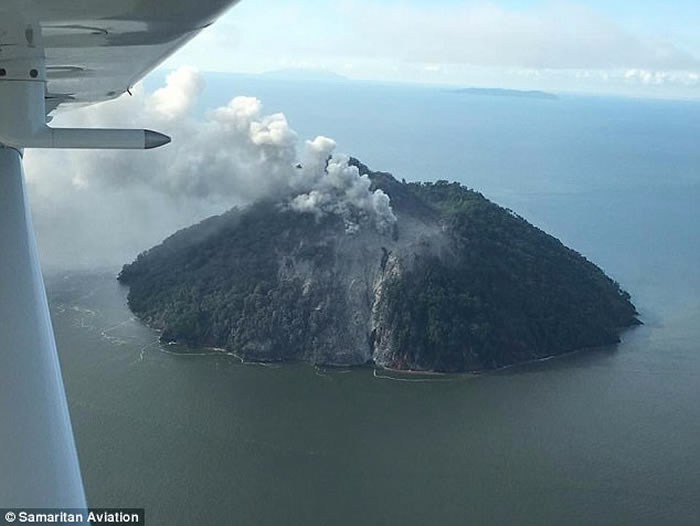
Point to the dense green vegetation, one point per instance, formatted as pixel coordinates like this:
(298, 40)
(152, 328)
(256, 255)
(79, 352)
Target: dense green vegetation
(265, 283)
(216, 284)
(511, 293)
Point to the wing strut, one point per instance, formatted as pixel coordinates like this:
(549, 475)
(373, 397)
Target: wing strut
(124, 40)
(38, 460)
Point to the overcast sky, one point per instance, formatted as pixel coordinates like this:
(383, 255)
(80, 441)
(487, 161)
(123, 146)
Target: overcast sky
(633, 47)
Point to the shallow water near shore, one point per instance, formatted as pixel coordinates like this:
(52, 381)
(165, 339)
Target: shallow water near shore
(605, 436)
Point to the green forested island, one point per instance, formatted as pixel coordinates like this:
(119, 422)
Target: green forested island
(458, 284)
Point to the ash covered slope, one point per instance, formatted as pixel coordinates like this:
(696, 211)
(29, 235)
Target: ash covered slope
(457, 283)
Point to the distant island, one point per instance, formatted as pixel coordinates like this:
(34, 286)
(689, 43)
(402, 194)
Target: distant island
(458, 284)
(303, 74)
(499, 92)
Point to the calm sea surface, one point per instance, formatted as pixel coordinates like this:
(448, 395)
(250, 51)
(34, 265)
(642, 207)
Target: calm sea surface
(610, 436)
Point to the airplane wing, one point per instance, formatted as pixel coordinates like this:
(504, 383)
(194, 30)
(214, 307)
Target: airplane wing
(96, 50)
(55, 53)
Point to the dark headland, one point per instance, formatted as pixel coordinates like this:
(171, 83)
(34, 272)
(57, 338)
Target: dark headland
(460, 284)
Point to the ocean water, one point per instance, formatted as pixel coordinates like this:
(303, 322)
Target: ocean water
(608, 436)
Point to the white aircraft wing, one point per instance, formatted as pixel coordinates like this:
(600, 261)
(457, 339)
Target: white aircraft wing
(97, 49)
(54, 53)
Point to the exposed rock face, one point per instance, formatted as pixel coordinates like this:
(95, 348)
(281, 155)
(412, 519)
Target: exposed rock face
(459, 284)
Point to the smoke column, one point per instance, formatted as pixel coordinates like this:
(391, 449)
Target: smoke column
(100, 208)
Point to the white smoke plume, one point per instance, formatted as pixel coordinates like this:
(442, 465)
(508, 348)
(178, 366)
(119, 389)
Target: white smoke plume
(330, 185)
(100, 208)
